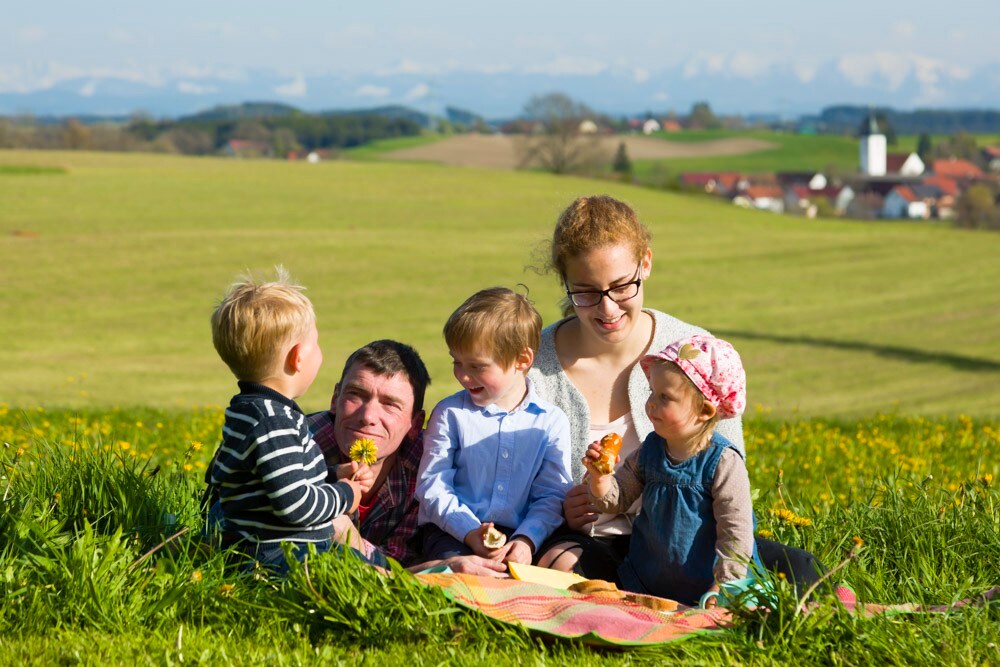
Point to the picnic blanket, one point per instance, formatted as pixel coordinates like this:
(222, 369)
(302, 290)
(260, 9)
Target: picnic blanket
(612, 622)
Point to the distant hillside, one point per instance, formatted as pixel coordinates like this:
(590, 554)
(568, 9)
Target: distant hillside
(247, 110)
(393, 112)
(847, 119)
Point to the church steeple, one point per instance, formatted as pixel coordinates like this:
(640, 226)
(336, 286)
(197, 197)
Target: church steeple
(872, 145)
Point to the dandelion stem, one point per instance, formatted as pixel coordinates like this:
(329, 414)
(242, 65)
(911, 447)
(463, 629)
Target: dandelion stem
(159, 546)
(812, 589)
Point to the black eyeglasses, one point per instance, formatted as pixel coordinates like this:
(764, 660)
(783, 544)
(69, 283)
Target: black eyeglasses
(618, 294)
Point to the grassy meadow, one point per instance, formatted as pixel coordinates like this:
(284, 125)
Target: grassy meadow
(112, 268)
(871, 352)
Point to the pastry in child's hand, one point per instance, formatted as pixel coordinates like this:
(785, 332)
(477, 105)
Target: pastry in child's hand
(493, 538)
(611, 444)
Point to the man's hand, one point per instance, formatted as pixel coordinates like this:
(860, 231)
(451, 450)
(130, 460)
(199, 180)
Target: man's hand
(475, 565)
(577, 509)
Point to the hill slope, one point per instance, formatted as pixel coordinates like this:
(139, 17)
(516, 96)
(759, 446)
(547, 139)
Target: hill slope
(118, 262)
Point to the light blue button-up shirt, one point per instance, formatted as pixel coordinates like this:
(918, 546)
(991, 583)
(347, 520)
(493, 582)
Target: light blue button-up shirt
(483, 464)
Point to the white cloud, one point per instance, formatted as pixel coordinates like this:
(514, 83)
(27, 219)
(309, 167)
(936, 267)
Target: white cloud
(859, 68)
(746, 65)
(88, 89)
(804, 72)
(708, 63)
(189, 88)
(31, 35)
(295, 88)
(369, 90)
(903, 28)
(567, 65)
(661, 96)
(419, 91)
(120, 35)
(640, 75)
(407, 66)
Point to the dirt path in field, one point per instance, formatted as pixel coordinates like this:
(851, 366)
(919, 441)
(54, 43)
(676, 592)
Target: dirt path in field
(500, 152)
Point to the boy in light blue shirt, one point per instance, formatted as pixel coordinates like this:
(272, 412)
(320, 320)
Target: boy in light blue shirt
(496, 455)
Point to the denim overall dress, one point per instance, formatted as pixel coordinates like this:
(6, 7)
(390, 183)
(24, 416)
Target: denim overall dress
(672, 551)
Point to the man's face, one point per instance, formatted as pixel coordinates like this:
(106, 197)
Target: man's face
(378, 407)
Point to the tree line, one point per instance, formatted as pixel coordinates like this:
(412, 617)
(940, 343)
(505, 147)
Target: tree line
(206, 134)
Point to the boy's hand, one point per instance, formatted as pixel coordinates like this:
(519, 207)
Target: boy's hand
(357, 495)
(519, 550)
(345, 470)
(364, 476)
(474, 540)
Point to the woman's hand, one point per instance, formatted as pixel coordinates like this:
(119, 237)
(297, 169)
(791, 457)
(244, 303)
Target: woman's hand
(577, 510)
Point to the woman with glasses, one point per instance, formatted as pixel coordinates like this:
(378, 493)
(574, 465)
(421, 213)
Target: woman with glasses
(587, 364)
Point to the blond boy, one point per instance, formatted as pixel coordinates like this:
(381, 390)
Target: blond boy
(496, 455)
(268, 472)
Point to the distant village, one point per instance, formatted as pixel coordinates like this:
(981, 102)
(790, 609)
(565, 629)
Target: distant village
(886, 185)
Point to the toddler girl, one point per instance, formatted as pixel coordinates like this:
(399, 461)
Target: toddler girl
(695, 530)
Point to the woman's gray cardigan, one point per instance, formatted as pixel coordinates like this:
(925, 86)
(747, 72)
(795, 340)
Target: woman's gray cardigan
(552, 384)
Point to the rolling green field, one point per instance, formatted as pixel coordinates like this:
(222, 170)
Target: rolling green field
(873, 436)
(794, 152)
(117, 263)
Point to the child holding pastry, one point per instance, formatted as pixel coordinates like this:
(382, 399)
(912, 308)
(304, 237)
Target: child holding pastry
(496, 455)
(695, 530)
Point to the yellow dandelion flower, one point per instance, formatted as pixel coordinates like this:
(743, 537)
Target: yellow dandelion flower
(226, 589)
(188, 467)
(125, 445)
(987, 479)
(196, 446)
(196, 577)
(858, 542)
(364, 451)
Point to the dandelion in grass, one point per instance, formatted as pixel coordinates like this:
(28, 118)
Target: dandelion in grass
(196, 446)
(364, 451)
(196, 577)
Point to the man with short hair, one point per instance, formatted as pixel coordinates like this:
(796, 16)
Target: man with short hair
(380, 397)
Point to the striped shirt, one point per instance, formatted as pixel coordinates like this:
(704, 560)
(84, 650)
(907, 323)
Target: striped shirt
(271, 474)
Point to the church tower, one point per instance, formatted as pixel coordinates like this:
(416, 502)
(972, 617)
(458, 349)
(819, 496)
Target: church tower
(872, 147)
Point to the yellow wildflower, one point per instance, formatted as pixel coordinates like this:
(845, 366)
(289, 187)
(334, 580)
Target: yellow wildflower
(196, 446)
(364, 451)
(196, 577)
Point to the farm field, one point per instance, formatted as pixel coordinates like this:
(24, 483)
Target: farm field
(871, 351)
(112, 267)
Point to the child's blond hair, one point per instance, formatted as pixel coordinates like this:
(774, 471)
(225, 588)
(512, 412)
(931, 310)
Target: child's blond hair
(495, 320)
(256, 320)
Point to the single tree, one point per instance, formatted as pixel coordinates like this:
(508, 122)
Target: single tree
(622, 165)
(555, 142)
(924, 148)
(976, 208)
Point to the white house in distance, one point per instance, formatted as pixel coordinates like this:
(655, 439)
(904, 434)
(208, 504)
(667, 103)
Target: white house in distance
(904, 164)
(651, 125)
(872, 148)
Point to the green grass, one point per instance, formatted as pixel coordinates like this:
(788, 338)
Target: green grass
(793, 152)
(28, 169)
(376, 149)
(83, 581)
(109, 303)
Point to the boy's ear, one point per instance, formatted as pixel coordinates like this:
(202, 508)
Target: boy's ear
(293, 360)
(525, 358)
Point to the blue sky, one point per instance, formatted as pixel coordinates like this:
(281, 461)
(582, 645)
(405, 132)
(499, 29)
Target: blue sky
(191, 44)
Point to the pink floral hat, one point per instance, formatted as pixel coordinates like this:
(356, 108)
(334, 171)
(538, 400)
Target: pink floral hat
(715, 368)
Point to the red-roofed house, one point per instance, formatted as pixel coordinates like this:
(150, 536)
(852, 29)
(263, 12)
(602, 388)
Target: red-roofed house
(911, 201)
(956, 168)
(802, 199)
(763, 197)
(713, 182)
(245, 148)
(670, 125)
(906, 164)
(992, 156)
